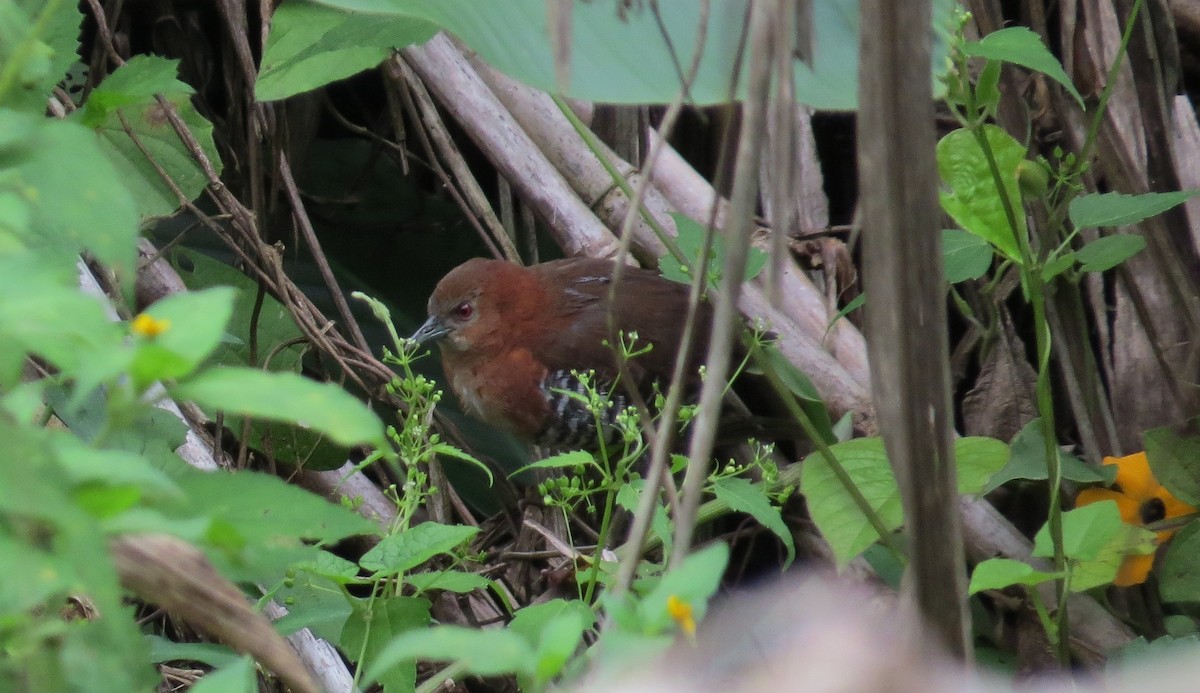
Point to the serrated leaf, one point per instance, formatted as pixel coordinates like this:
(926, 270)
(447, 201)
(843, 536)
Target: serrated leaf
(1119, 209)
(745, 497)
(1109, 251)
(286, 397)
(1021, 46)
(406, 550)
(374, 625)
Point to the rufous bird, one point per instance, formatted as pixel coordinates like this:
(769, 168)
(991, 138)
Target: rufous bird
(512, 336)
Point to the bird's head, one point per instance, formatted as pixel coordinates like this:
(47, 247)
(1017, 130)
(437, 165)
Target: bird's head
(475, 303)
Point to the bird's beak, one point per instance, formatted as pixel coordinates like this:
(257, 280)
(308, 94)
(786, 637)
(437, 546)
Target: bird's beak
(432, 330)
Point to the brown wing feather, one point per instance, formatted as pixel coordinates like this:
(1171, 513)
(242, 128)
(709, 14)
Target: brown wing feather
(578, 291)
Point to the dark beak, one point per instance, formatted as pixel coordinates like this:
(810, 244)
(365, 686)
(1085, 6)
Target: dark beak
(431, 331)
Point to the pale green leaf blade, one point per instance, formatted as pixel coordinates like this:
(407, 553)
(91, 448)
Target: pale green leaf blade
(1119, 209)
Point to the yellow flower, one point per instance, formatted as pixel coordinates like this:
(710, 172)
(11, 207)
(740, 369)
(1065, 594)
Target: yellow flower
(681, 611)
(1142, 501)
(149, 326)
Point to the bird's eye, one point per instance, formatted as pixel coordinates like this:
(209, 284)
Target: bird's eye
(464, 311)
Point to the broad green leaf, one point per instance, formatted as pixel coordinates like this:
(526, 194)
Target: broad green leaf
(195, 323)
(693, 582)
(745, 497)
(833, 509)
(52, 52)
(998, 573)
(1179, 578)
(1019, 45)
(1128, 665)
(837, 515)
(406, 550)
(135, 82)
(1119, 209)
(237, 677)
(691, 243)
(311, 45)
(78, 201)
(1085, 531)
(212, 654)
(28, 575)
(316, 603)
(1109, 251)
(561, 637)
(125, 103)
(1028, 461)
(976, 459)
(621, 55)
(1174, 457)
(371, 629)
(973, 198)
(965, 256)
(324, 407)
(531, 621)
(484, 652)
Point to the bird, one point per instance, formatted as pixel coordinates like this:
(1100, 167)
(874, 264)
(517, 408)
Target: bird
(516, 340)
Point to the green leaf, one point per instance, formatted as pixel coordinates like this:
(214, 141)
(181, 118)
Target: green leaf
(745, 497)
(406, 550)
(1109, 251)
(196, 322)
(285, 397)
(977, 459)
(1174, 457)
(53, 51)
(833, 509)
(628, 56)
(375, 625)
(973, 199)
(693, 582)
(1085, 531)
(449, 580)
(998, 573)
(1057, 266)
(1179, 578)
(124, 107)
(965, 256)
(212, 654)
(531, 621)
(1028, 461)
(311, 45)
(691, 243)
(837, 515)
(483, 652)
(563, 460)
(1020, 46)
(237, 677)
(77, 198)
(554, 629)
(1119, 209)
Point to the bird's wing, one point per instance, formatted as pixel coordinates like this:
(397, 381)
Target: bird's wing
(578, 294)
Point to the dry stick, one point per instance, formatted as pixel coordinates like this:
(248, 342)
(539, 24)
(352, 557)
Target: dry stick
(745, 193)
(909, 344)
(471, 197)
(782, 112)
(658, 475)
(461, 91)
(314, 246)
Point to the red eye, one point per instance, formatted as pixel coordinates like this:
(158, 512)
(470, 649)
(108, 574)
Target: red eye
(464, 311)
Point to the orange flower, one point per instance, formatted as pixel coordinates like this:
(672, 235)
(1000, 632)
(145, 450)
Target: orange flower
(149, 326)
(1142, 501)
(681, 611)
